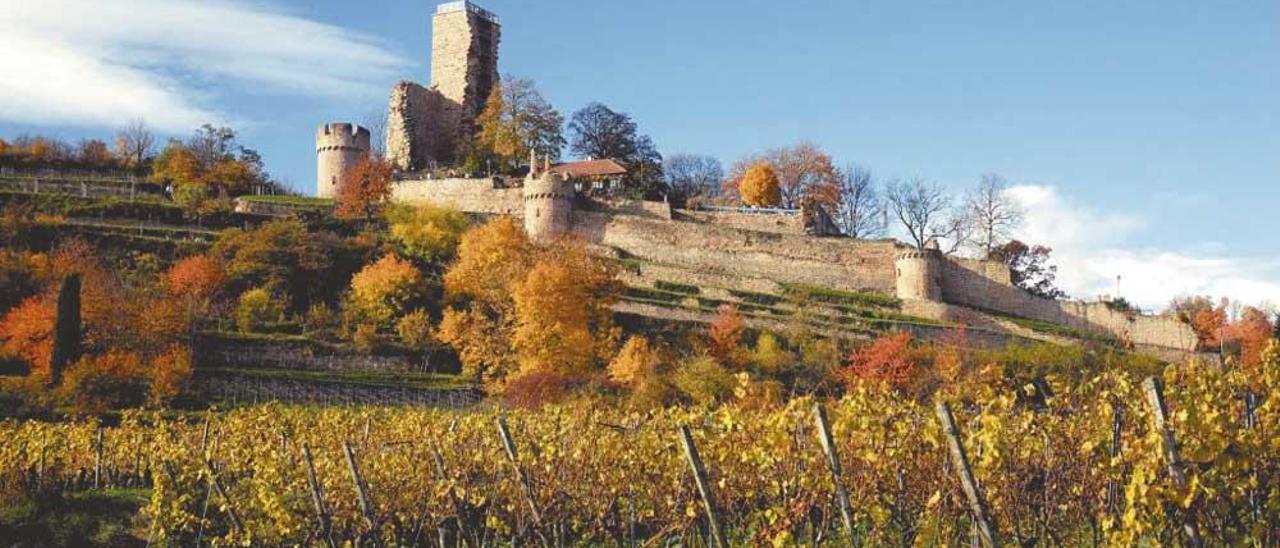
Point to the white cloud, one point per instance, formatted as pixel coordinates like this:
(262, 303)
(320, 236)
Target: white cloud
(1092, 247)
(89, 62)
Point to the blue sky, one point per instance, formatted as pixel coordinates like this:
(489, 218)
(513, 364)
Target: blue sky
(1143, 137)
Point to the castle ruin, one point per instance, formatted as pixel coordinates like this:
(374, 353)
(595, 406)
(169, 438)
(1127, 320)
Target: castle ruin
(727, 249)
(425, 125)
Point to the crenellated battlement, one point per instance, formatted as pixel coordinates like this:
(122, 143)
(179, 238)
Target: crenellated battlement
(339, 146)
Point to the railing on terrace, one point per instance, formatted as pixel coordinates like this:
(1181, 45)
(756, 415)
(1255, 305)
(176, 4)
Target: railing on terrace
(70, 174)
(460, 5)
(749, 210)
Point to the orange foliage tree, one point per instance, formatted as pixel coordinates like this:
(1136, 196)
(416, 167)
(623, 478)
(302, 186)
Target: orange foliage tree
(196, 281)
(758, 186)
(724, 336)
(887, 361)
(804, 172)
(365, 189)
(122, 325)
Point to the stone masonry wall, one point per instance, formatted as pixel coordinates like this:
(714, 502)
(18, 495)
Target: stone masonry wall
(418, 134)
(466, 195)
(986, 285)
(778, 223)
(788, 258)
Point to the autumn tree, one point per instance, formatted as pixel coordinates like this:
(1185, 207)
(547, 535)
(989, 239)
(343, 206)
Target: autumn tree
(365, 189)
(598, 131)
(519, 308)
(478, 286)
(635, 362)
(758, 186)
(383, 291)
(1029, 268)
(992, 213)
(283, 256)
(692, 176)
(860, 212)
(94, 153)
(134, 143)
(804, 171)
(426, 232)
(885, 362)
(724, 336)
(196, 281)
(516, 120)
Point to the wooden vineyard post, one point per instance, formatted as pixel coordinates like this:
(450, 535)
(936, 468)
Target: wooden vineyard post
(509, 447)
(833, 464)
(1113, 489)
(97, 460)
(704, 488)
(366, 506)
(1154, 390)
(222, 494)
(317, 497)
(986, 527)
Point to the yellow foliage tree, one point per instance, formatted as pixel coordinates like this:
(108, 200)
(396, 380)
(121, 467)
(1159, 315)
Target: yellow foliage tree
(513, 304)
(382, 291)
(635, 363)
(427, 232)
(759, 186)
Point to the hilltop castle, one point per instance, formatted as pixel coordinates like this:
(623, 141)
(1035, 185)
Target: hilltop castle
(725, 249)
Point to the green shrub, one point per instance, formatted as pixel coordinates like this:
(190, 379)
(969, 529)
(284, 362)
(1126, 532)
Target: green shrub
(753, 297)
(677, 287)
(838, 296)
(647, 294)
(258, 308)
(704, 381)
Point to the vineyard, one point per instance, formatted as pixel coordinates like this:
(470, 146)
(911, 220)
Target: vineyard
(1106, 460)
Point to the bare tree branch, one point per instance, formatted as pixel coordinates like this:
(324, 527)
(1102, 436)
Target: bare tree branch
(861, 210)
(991, 213)
(921, 208)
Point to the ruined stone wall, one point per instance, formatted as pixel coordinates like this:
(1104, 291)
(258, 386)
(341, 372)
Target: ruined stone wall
(466, 195)
(418, 132)
(986, 285)
(727, 251)
(639, 208)
(776, 223)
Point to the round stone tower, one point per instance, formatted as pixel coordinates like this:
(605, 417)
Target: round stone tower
(338, 148)
(548, 205)
(919, 273)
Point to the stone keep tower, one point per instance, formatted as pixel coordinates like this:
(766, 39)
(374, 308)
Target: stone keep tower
(548, 204)
(464, 59)
(425, 124)
(919, 273)
(338, 147)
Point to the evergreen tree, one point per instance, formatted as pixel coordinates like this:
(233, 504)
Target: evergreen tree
(66, 329)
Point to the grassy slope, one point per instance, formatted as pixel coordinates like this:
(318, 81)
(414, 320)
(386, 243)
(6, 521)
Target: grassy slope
(102, 518)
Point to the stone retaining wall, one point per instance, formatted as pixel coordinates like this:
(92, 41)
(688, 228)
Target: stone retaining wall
(726, 251)
(466, 195)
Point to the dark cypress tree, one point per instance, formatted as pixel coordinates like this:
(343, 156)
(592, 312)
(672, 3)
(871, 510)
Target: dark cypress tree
(66, 329)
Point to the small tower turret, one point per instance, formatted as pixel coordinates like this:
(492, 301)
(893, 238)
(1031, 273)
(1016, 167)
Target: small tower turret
(339, 147)
(919, 273)
(548, 204)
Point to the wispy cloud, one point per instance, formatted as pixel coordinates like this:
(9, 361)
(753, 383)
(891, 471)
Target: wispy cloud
(1092, 247)
(89, 62)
